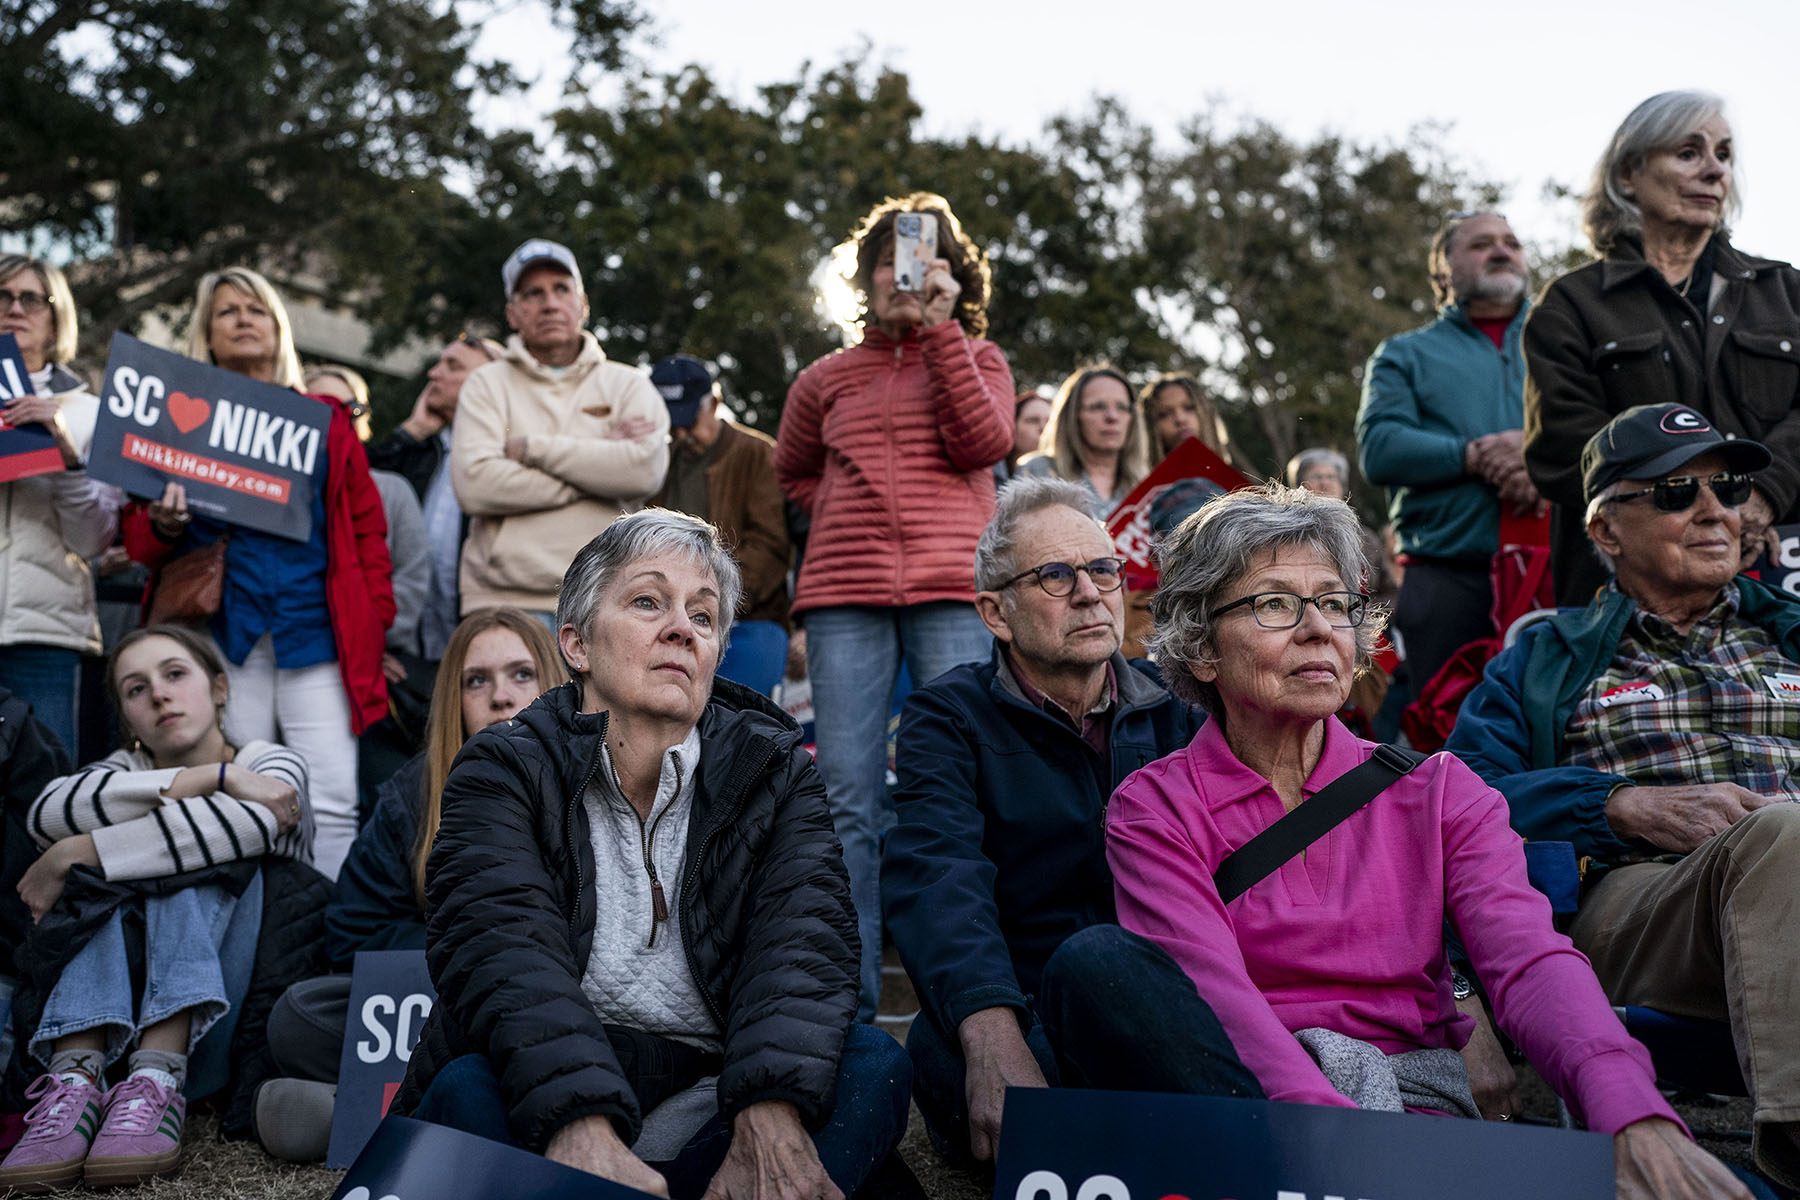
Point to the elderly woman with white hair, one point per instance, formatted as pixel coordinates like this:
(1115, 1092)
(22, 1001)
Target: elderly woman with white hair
(1671, 313)
(639, 921)
(1327, 965)
(300, 624)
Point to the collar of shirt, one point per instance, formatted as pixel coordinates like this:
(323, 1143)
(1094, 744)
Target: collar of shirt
(680, 766)
(1707, 628)
(1221, 778)
(1095, 716)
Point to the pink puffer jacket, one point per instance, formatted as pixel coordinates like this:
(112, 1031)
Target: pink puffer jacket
(889, 445)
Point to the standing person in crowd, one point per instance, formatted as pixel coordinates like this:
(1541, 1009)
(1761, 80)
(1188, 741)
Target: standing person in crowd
(724, 473)
(1177, 408)
(1672, 313)
(181, 799)
(1440, 428)
(1096, 438)
(1653, 729)
(994, 880)
(888, 447)
(498, 661)
(553, 442)
(418, 450)
(408, 551)
(1330, 974)
(50, 525)
(301, 624)
(1324, 472)
(1031, 414)
(711, 960)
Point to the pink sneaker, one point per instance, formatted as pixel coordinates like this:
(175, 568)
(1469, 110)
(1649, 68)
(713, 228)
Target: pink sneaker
(140, 1137)
(58, 1130)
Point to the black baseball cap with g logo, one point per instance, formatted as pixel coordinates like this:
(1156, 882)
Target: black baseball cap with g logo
(1651, 441)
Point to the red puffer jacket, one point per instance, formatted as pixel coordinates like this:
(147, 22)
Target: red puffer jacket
(890, 446)
(359, 583)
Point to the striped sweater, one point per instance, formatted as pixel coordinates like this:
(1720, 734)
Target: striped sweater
(139, 833)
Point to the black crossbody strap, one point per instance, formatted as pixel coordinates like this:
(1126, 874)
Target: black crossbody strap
(1257, 858)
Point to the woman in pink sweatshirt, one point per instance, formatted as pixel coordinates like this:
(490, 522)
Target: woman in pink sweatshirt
(1260, 620)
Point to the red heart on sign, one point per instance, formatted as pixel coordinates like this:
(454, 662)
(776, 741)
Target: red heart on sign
(188, 412)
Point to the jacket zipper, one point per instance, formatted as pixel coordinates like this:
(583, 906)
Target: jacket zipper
(659, 904)
(569, 825)
(739, 784)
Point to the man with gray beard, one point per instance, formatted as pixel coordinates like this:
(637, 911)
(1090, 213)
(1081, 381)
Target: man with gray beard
(1441, 427)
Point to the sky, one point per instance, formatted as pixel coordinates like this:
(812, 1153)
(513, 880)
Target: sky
(1527, 93)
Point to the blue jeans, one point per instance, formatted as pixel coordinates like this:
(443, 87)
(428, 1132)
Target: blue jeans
(868, 1115)
(1117, 1012)
(854, 654)
(48, 678)
(199, 949)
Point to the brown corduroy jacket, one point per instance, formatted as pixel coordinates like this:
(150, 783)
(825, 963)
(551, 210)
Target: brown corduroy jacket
(744, 500)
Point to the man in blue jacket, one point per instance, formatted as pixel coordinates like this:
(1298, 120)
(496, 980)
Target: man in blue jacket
(1658, 729)
(994, 883)
(1441, 427)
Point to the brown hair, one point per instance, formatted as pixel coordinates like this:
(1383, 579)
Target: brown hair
(1212, 427)
(968, 264)
(445, 731)
(199, 648)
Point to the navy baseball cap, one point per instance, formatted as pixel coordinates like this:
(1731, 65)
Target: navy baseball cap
(683, 382)
(1650, 441)
(538, 250)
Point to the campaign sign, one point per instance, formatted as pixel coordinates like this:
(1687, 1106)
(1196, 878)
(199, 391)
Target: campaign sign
(1064, 1144)
(413, 1160)
(1129, 523)
(24, 449)
(248, 453)
(390, 997)
(1781, 569)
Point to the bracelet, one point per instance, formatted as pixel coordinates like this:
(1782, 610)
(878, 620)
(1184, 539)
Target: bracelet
(221, 777)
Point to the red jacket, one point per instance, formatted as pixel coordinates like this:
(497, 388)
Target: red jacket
(889, 445)
(359, 584)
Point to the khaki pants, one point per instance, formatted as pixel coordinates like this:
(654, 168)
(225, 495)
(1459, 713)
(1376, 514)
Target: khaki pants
(1716, 937)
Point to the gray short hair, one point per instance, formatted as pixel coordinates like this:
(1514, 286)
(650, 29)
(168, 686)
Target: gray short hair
(1304, 461)
(642, 535)
(1593, 510)
(1216, 546)
(1660, 122)
(1026, 494)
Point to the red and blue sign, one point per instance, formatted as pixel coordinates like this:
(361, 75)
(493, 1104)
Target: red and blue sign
(25, 450)
(247, 453)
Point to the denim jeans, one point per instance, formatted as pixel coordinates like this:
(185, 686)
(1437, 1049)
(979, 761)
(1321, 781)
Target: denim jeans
(1117, 1012)
(854, 655)
(868, 1115)
(199, 949)
(48, 678)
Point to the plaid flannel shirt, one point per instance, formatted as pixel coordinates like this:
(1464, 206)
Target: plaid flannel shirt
(1720, 704)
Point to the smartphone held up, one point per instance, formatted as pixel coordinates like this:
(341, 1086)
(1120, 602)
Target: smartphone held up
(915, 246)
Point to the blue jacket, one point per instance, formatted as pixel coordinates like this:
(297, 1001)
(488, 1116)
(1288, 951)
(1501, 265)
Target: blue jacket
(1426, 394)
(1510, 730)
(1000, 850)
(374, 906)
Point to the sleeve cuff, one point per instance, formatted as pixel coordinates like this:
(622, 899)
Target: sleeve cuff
(966, 1003)
(1615, 1091)
(123, 854)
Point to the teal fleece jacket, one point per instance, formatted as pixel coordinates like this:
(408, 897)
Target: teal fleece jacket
(1426, 394)
(1510, 730)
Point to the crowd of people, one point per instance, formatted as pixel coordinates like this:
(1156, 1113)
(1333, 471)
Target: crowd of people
(509, 705)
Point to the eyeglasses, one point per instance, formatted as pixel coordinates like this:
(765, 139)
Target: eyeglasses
(1283, 610)
(1058, 578)
(32, 302)
(1678, 493)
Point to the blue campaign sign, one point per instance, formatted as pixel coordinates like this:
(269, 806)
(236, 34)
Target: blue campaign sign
(411, 1160)
(248, 453)
(1781, 569)
(1066, 1144)
(390, 997)
(24, 449)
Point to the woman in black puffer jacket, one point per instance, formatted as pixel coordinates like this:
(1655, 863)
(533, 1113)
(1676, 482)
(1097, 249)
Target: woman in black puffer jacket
(638, 908)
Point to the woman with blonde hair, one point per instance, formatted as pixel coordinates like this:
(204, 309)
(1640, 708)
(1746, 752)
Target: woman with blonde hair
(498, 661)
(301, 624)
(1096, 437)
(51, 524)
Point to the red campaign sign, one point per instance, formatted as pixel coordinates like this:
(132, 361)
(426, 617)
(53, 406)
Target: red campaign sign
(24, 449)
(1129, 523)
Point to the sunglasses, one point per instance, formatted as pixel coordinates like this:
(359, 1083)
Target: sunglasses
(1678, 493)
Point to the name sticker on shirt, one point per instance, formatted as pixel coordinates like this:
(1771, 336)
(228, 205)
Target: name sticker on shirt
(1632, 693)
(1784, 687)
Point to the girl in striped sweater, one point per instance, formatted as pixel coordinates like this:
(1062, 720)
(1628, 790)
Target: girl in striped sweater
(181, 798)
